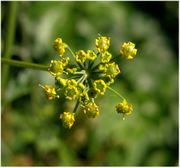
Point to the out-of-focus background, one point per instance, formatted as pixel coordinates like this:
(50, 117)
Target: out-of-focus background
(31, 132)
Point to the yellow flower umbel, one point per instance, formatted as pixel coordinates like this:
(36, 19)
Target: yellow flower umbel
(85, 75)
(102, 43)
(128, 50)
(50, 92)
(100, 86)
(125, 108)
(68, 119)
(59, 46)
(91, 110)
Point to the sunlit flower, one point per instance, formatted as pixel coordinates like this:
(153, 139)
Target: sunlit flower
(81, 56)
(59, 46)
(100, 86)
(56, 67)
(50, 92)
(111, 70)
(128, 50)
(61, 81)
(84, 98)
(106, 57)
(68, 119)
(102, 43)
(71, 90)
(91, 110)
(91, 55)
(124, 107)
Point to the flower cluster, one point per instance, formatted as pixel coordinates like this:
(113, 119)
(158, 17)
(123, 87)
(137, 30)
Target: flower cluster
(124, 107)
(84, 75)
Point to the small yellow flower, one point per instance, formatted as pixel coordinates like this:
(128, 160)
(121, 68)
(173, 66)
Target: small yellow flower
(71, 90)
(102, 43)
(110, 70)
(100, 86)
(91, 55)
(50, 92)
(128, 50)
(81, 87)
(106, 57)
(102, 67)
(72, 82)
(91, 110)
(56, 68)
(59, 46)
(68, 119)
(108, 80)
(61, 81)
(84, 98)
(65, 61)
(81, 56)
(71, 70)
(124, 107)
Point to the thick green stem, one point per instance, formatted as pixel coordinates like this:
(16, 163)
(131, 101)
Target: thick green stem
(119, 95)
(9, 39)
(24, 64)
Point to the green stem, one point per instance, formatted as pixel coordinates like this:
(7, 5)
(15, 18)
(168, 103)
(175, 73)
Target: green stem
(24, 64)
(9, 39)
(76, 106)
(119, 95)
(83, 78)
(79, 73)
(95, 67)
(72, 53)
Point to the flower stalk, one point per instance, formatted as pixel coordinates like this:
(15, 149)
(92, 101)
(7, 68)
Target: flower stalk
(115, 92)
(8, 46)
(24, 64)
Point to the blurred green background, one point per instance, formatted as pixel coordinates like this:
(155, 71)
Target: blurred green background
(31, 132)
